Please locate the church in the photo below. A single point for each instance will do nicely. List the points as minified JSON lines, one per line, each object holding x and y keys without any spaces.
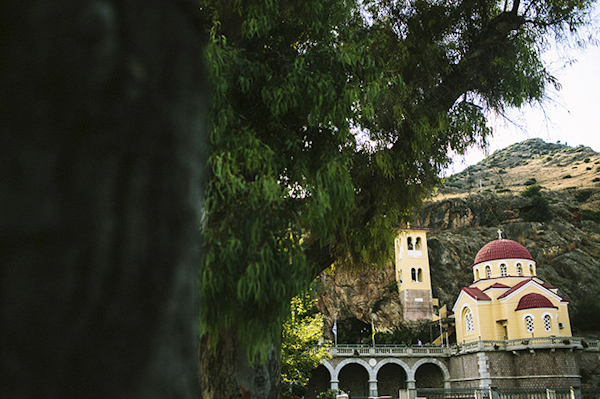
{"x":507,"y":300}
{"x":512,"y":332}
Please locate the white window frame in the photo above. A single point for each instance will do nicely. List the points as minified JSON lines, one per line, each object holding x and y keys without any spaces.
{"x":503,"y":270}
{"x":547,"y":317}
{"x":527,"y":318}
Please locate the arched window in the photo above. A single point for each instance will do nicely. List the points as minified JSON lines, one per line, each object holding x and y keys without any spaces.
{"x":476,"y":274}
{"x":547,"y":323}
{"x":409,"y":242}
{"x":468,"y":320}
{"x":503,"y":270}
{"x":519,"y":269}
{"x":488,"y":271}
{"x":413,"y":274}
{"x":531,"y":271}
{"x":418,"y":244}
{"x":420,"y":275}
{"x":400,"y":276}
{"x":529,"y":323}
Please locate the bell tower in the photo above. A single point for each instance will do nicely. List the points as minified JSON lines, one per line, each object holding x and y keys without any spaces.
{"x":413,"y":274}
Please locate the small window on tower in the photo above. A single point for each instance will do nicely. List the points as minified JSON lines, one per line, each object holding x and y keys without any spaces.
{"x":418,"y":244}
{"x":409,"y":242}
{"x":413,"y":274}
{"x":420,"y":275}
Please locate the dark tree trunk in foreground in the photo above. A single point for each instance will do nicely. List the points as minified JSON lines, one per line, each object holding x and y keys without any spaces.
{"x":226,"y":373}
{"x":102,"y":130}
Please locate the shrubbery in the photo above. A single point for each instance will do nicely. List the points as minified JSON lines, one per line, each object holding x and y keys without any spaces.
{"x":538,"y":209}
{"x":532,"y":191}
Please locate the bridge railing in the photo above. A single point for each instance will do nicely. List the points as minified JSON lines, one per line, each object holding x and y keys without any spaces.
{"x":528,"y":343}
{"x":475,"y":346}
{"x":389,"y":350}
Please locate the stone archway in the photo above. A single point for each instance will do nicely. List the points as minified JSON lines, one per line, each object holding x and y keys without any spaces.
{"x":320,"y":380}
{"x":430,"y":373}
{"x":353,"y":377}
{"x":392,"y":376}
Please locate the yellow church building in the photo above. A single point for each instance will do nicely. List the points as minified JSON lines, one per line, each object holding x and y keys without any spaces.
{"x":507,"y":300}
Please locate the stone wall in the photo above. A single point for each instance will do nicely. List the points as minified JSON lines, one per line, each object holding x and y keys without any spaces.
{"x":535,"y":369}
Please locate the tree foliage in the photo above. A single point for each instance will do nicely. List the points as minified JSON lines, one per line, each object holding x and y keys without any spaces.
{"x":301,"y":351}
{"x":331,"y":120}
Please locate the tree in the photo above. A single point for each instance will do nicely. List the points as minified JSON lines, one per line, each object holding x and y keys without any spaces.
{"x":102,"y":112}
{"x":330,"y":122}
{"x":301,"y":349}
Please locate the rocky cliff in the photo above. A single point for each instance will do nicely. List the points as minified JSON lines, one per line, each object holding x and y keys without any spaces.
{"x":557,"y":222}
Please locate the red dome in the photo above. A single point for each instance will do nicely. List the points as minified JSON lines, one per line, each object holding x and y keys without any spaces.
{"x":533,"y":300}
{"x":502,"y":249}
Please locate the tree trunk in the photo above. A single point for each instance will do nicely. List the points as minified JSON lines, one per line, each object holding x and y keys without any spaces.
{"x":102,"y":131}
{"x":226,"y":373}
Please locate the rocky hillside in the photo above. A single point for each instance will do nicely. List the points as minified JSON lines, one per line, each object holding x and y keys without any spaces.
{"x":545,"y":196}
{"x":556,"y":167}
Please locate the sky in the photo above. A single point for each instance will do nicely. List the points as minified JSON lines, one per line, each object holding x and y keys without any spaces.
{"x":570,"y":115}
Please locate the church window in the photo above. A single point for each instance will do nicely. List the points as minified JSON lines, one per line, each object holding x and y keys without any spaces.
{"x":418,"y":244}
{"x":503,"y":270}
{"x":413,"y":274}
{"x":529,"y":323}
{"x":476,"y":274}
{"x":409,"y":242}
{"x":519,"y":269}
{"x":400,"y":276}
{"x":488,"y":272}
{"x":547,"y":323}
{"x":420,"y":275}
{"x":468,"y":318}
{"x":531,"y":272}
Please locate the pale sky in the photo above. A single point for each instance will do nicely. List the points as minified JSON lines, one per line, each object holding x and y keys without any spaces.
{"x":571,"y":115}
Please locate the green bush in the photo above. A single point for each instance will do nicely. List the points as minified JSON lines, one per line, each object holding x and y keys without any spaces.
{"x":328,"y":394}
{"x":538,"y":210}
{"x":587,"y":214}
{"x":583,"y":195}
{"x":532,"y":191}
{"x":530,"y":182}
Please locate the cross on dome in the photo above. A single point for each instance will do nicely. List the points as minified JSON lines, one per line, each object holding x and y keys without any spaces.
{"x":499,"y":234}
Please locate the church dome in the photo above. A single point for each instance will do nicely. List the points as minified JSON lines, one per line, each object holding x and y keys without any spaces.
{"x":502,"y":249}
{"x":533,"y":300}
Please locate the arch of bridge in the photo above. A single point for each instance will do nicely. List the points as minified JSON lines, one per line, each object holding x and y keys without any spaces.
{"x":420,"y":362}
{"x":373,"y":370}
{"x":331,"y":370}
{"x":389,"y":360}
{"x":335,"y":375}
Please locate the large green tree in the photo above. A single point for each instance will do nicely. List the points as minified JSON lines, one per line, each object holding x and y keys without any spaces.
{"x":330,"y":121}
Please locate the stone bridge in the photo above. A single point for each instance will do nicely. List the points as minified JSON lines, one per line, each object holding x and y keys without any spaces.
{"x":399,"y":370}
{"x":383,"y":370}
